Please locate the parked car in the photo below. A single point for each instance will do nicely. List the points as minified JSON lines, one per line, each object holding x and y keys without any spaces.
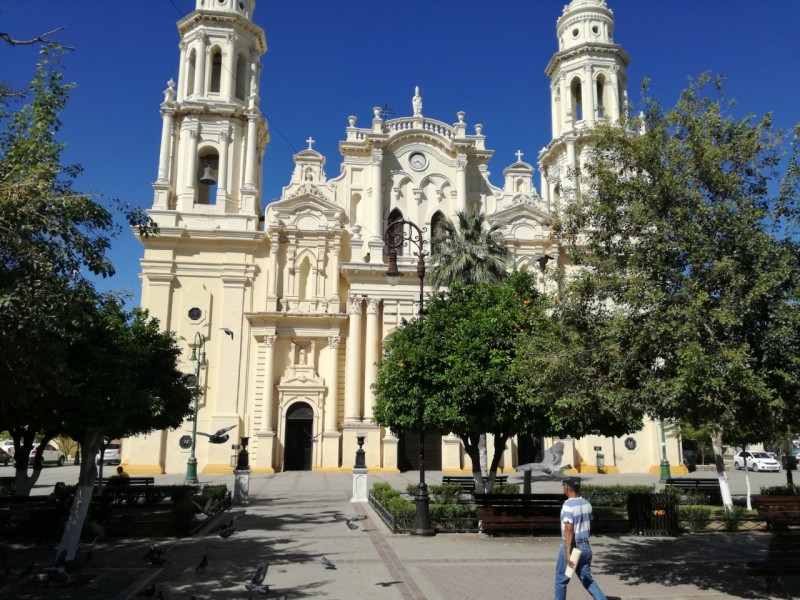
{"x":8,"y":446}
{"x":112,"y":454}
{"x":756,"y":461}
{"x":5,"y":457}
{"x":51,"y":455}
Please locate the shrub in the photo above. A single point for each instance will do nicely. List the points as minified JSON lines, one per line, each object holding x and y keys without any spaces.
{"x":697,"y":517}
{"x":505,"y":488}
{"x":732,"y":518}
{"x":613,"y":495}
{"x":383,"y":492}
{"x":399,"y":507}
{"x":781,"y":490}
{"x":451,"y":511}
{"x":445,"y":494}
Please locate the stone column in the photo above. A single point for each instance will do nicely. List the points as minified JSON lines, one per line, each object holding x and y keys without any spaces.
{"x":331,"y":435}
{"x":588,"y":91}
{"x":251,"y":159}
{"x":228,"y":75}
{"x":461,"y":182}
{"x":266,"y":434}
{"x":353,"y":377}
{"x":566,"y":106}
{"x":333,"y":293}
{"x":614,"y":95}
{"x":166,"y":136}
{"x":222,"y":175}
{"x":200,"y":66}
{"x":182,"y":83}
{"x":272,"y":291}
{"x":371,"y":356}
{"x":376,"y":222}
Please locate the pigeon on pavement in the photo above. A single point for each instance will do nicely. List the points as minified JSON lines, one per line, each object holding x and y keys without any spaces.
{"x":350,"y":524}
{"x":327,"y":563}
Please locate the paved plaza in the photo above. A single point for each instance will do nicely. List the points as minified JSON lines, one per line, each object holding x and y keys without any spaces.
{"x":295,"y":518}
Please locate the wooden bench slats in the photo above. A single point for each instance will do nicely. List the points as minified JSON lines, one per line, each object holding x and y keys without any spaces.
{"x":699,"y":484}
{"x":467,"y":483}
{"x":147,"y":481}
{"x":531,"y":512}
{"x":778,"y":511}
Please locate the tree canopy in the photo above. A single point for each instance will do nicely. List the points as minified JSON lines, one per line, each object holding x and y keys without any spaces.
{"x":474,"y":362}
{"x":688,"y":255}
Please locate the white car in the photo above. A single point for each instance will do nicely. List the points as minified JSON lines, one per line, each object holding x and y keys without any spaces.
{"x":756,"y":461}
{"x":51,"y":455}
{"x":112,"y":454}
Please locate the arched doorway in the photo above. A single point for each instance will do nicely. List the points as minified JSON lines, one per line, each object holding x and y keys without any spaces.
{"x":297,"y":449}
{"x":408,"y":451}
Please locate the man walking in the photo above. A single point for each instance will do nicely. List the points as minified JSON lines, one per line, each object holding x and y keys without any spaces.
{"x":576,"y":516}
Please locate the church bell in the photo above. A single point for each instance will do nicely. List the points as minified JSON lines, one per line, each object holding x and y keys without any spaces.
{"x":208,"y":178}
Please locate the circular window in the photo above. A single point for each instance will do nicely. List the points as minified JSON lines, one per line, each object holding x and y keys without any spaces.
{"x":185,"y":442}
{"x":595,"y":29}
{"x":195,"y":313}
{"x":630,"y":443}
{"x":241,"y":5}
{"x":191,"y":380}
{"x":575,"y":32}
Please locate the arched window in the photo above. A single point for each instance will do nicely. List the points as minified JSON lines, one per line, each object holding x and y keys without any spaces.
{"x":396,"y":215}
{"x":577,"y":99}
{"x":601,"y":89}
{"x":208,"y":164}
{"x":216,"y":70}
{"x":190,"y":83}
{"x":241,"y":82}
{"x":436,"y":229}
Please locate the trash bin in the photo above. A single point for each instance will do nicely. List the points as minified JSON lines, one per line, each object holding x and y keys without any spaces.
{"x":653,"y":514}
{"x":601,"y":462}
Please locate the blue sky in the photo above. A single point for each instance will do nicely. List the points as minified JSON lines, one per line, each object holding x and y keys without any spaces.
{"x":328,"y":59}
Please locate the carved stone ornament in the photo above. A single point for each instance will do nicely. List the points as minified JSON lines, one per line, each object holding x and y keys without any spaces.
{"x":355,"y":305}
{"x":307,"y":189}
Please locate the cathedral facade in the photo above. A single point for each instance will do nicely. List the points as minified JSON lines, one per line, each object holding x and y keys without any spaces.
{"x":285,"y":307}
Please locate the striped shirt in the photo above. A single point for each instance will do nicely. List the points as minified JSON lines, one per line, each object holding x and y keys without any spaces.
{"x":577,"y":511}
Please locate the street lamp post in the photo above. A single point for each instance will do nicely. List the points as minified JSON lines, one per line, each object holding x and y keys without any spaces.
{"x":664,"y":462}
{"x":395,"y":238}
{"x":198,"y":356}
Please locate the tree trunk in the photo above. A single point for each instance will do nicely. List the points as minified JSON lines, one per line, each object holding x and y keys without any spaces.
{"x":82,"y":501}
{"x":722,"y":476}
{"x":499,"y":448}
{"x":484,"y":455}
{"x":472,"y":448}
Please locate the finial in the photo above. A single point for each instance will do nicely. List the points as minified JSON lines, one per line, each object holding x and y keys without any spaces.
{"x":377,"y":112}
{"x":461,"y":115}
{"x":310,"y":141}
{"x":351,"y":121}
{"x":519,"y":155}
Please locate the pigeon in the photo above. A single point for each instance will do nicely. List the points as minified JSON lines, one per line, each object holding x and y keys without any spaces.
{"x":260,"y":574}
{"x":203,"y":512}
{"x":219,"y":437}
{"x":350,"y":524}
{"x":203,"y":564}
{"x":327,"y":563}
{"x":227,"y":531}
{"x":147,"y":593}
{"x":257,"y":589}
{"x":229,"y":524}
{"x":227,"y":331}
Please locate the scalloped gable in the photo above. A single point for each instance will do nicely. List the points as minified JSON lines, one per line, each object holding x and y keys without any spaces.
{"x":521,"y":219}
{"x":306,"y":209}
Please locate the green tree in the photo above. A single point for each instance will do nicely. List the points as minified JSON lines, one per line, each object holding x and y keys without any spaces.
{"x":51,"y":238}
{"x":124,"y":381}
{"x":451,"y":370}
{"x":690,"y":265}
{"x":472,"y":252}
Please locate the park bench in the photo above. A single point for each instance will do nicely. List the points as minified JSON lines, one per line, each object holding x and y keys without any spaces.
{"x":467,"y":482}
{"x":29,"y":518}
{"x":146,"y":481}
{"x":780,"y":512}
{"x":783,"y":558}
{"x":705,"y":485}
{"x":537,"y":513}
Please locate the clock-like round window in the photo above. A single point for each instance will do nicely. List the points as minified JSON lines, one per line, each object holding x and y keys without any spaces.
{"x":191,"y":380}
{"x":417,"y":161}
{"x":195,"y":313}
{"x":185,"y":442}
{"x":630,"y":443}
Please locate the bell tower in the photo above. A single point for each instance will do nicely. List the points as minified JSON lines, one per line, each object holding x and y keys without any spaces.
{"x":588,"y":85}
{"x":213,"y":135}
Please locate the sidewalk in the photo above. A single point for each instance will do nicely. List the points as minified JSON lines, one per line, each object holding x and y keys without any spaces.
{"x":295,"y":518}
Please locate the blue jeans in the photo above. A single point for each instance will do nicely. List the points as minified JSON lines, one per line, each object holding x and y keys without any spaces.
{"x":583,"y":571}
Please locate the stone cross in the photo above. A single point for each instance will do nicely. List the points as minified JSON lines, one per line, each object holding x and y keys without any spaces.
{"x":519,"y":155}
{"x":310,"y":141}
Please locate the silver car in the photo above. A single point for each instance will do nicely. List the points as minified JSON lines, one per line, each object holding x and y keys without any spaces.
{"x":755,"y":461}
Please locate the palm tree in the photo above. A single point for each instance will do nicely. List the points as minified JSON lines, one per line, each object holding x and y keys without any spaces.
{"x":472,"y":252}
